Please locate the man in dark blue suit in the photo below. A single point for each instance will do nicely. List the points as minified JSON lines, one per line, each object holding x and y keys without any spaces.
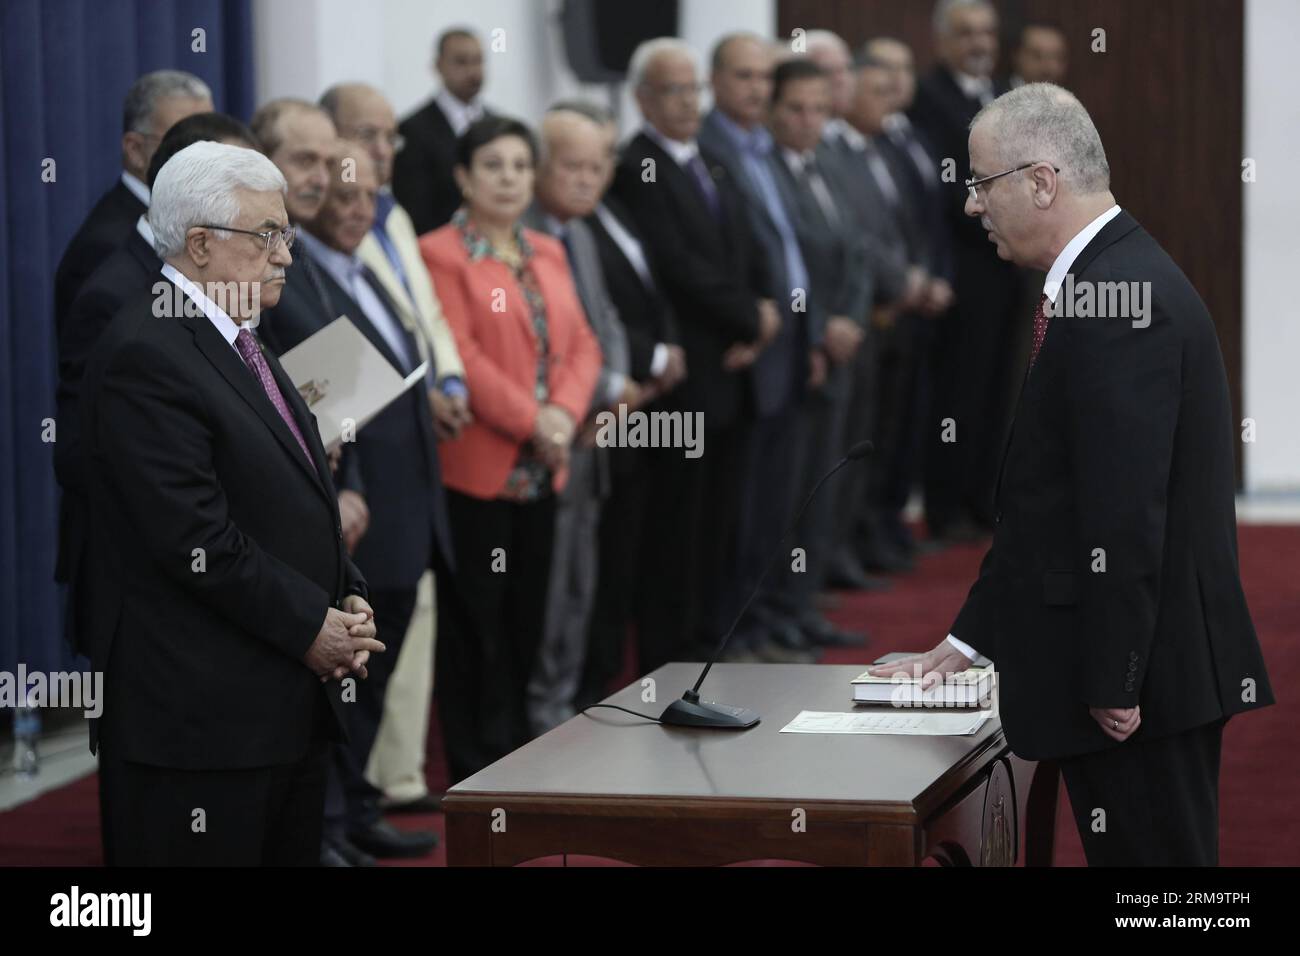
{"x":392,"y":467}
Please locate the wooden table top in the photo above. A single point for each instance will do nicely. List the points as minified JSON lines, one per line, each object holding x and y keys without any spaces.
{"x":609,"y":754}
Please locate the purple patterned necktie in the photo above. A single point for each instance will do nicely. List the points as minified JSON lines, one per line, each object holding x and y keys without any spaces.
{"x":704,"y":181}
{"x":253,"y":358}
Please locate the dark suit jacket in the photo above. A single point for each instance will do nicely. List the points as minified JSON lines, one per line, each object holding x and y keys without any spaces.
{"x":646,"y":315}
{"x":1123,"y":441}
{"x":107,"y":226}
{"x":393,"y":463}
{"x":422,"y":178}
{"x":942,"y":113}
{"x":706,"y":267}
{"x":215,"y":551}
{"x":916,"y":168}
{"x":128,"y":272}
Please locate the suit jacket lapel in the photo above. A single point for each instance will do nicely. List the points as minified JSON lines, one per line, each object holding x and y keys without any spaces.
{"x":227,"y":361}
{"x":1112,"y":232}
{"x":345,"y":304}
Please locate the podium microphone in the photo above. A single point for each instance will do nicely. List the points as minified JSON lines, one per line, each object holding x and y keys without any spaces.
{"x":690,"y":711}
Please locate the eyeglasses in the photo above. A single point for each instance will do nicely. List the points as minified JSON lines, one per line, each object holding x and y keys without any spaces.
{"x":973,"y":185}
{"x":369,"y":135}
{"x":676,"y":90}
{"x":268,"y":238}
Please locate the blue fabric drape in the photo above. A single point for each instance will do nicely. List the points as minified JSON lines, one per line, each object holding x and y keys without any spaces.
{"x":65,"y":67}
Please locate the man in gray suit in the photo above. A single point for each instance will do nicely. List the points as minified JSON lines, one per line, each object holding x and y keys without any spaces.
{"x":570,"y":177}
{"x":841,"y":289}
{"x":875,"y":200}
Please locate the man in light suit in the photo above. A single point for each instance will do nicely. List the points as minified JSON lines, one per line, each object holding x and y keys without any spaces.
{"x":391,"y":251}
{"x":226,"y":608}
{"x":1111,"y":599}
{"x":569,"y":180}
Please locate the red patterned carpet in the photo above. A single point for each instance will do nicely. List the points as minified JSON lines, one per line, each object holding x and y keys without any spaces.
{"x":1259,"y":780}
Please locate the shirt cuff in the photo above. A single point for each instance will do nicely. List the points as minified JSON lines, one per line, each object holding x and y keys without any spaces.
{"x":659,"y":360}
{"x":453,"y":386}
{"x":964,"y":648}
{"x":614,"y":388}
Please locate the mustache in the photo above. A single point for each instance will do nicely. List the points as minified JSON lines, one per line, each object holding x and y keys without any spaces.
{"x":275,"y":274}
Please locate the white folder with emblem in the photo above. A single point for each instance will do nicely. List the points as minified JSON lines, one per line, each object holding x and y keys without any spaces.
{"x":344,"y":379}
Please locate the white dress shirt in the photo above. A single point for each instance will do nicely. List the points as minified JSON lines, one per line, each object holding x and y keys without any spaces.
{"x":635,"y":255}
{"x":223,"y":323}
{"x":459,"y":114}
{"x":138,"y":189}
{"x":1061,"y":267}
{"x":682,"y":153}
{"x":1055,"y":276}
{"x":975,"y":87}
{"x":146,"y":231}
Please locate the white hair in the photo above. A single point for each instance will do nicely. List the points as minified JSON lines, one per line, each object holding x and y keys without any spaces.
{"x":944,"y":8}
{"x":826,"y":38}
{"x":197,"y":187}
{"x":1044,"y":122}
{"x":648,"y":51}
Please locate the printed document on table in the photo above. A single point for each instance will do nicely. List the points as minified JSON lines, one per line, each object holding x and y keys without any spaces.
{"x":916,"y":722}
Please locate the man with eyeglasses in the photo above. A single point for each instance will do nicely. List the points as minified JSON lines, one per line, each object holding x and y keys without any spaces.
{"x":127,"y":272}
{"x":391,"y":251}
{"x":1110,"y":600}
{"x":694,"y":222}
{"x":226,"y":610}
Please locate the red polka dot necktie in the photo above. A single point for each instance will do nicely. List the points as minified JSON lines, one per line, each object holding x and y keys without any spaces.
{"x":1040,"y":328}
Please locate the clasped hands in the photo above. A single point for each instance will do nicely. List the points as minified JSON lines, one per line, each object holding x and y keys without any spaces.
{"x":742,"y":354}
{"x":345,"y":641}
{"x":552,"y":436}
{"x":1117,"y":723}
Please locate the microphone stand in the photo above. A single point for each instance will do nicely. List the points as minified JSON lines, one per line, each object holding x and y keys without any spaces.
{"x":690,"y":711}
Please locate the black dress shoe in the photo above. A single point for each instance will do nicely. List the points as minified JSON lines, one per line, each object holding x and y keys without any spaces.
{"x":387,"y":842}
{"x":330,"y":856}
{"x":352,"y":855}
{"x":786,"y":633}
{"x":882,"y":557}
{"x":425,"y":804}
{"x":845,"y":573}
{"x":822,"y":633}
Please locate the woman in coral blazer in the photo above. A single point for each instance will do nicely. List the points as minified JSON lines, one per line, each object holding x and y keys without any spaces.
{"x":531,"y":363}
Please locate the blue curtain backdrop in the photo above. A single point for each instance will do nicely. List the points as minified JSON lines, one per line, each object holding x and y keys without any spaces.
{"x":65,"y":67}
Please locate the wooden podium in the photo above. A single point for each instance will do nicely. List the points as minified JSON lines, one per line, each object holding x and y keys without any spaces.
{"x":607,"y":784}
